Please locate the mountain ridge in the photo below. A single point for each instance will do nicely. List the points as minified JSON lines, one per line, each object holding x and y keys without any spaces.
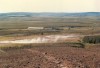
{"x":47,"y":14}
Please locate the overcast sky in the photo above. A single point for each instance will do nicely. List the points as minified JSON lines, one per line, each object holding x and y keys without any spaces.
{"x":49,"y":6}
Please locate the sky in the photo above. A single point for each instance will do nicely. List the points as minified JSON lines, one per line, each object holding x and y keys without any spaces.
{"x":49,"y":6}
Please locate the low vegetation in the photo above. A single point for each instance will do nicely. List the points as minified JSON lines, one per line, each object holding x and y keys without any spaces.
{"x":92,"y":39}
{"x":22,"y":46}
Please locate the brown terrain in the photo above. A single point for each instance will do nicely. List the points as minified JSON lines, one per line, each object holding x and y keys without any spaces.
{"x":63,"y":37}
{"x":51,"y":56}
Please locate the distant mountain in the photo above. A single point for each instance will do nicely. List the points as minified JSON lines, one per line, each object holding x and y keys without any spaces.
{"x":30,"y":14}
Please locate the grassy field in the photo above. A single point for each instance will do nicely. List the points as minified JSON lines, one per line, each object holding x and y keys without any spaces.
{"x":18,"y":25}
{"x":25,"y":22}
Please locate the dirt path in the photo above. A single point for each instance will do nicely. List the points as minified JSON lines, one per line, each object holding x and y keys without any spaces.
{"x":51,"y":58}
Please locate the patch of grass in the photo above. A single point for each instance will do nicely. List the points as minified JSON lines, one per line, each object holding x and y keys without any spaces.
{"x":87,"y":45}
{"x":3,"y":38}
{"x":76,"y":44}
{"x":22,"y":46}
{"x":15,"y":46}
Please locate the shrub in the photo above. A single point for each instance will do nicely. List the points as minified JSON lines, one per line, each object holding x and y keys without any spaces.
{"x":91,"y":39}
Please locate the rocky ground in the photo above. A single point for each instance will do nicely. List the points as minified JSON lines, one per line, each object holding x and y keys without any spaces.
{"x":62,"y":56}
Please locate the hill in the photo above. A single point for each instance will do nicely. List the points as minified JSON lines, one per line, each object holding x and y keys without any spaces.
{"x":30,"y":14}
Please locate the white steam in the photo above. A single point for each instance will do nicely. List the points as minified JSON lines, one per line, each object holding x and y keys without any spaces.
{"x":43,"y":39}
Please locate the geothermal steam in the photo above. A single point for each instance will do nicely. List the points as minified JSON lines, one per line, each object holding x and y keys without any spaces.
{"x":43,"y":39}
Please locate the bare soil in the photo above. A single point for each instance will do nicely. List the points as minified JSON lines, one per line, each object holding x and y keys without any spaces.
{"x":51,"y":56}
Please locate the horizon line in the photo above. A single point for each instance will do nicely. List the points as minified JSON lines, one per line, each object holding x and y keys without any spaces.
{"x":49,"y":12}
